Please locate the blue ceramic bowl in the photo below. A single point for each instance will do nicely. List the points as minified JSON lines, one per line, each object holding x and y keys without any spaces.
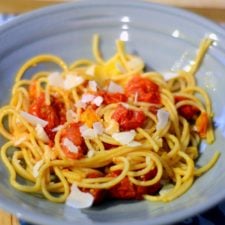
{"x":160,"y":35}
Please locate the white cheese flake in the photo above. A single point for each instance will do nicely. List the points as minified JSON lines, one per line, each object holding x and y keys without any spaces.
{"x":58,"y":128}
{"x":90,"y":153}
{"x":134,"y":144}
{"x":78,"y":199}
{"x":135,"y":63}
{"x":80,"y":104}
{"x":125,"y":137}
{"x":165,"y":189}
{"x":111,"y":127}
{"x":162,"y":117}
{"x":34,"y":120}
{"x":70,"y":115}
{"x":72,"y":81}
{"x":37,"y":167}
{"x":92,"y":85}
{"x":20,"y":140}
{"x":115,"y":88}
{"x":55,"y":79}
{"x":169,"y":75}
{"x":91,"y":70}
{"x":70,"y":145}
{"x":87,"y":132}
{"x":86,"y":98}
{"x":98,"y":100}
{"x":41,"y":134}
{"x":98,"y":128}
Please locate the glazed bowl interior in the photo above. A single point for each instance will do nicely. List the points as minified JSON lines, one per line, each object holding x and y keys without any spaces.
{"x":161,"y":36}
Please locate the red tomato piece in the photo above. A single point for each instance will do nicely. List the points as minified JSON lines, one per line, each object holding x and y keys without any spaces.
{"x":98,"y":194}
{"x":112,"y":97}
{"x":189,"y":112}
{"x":127,"y":190}
{"x":145,"y":89}
{"x":202,"y":124}
{"x":54,"y":113}
{"x":128,"y":119}
{"x":72,"y":132}
{"x":32,"y":90}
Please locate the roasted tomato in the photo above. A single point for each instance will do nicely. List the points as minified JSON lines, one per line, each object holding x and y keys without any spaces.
{"x":202,"y":124}
{"x":112,"y":97}
{"x":189,"y":112}
{"x":98,"y":194}
{"x":53,"y":113}
{"x":128,"y":119}
{"x":145,"y":89}
{"x":127,"y":190}
{"x":72,"y":132}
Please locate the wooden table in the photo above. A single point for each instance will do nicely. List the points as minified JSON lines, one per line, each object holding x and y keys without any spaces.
{"x":212,"y":9}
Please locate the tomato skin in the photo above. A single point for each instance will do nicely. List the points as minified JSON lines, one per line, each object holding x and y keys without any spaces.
{"x":98,"y":194}
{"x":202,"y":124}
{"x":112,"y":97}
{"x":146,"y":90}
{"x":189,"y":112}
{"x":53,"y":113}
{"x":128,"y":119}
{"x":72,"y":132}
{"x":128,"y":191}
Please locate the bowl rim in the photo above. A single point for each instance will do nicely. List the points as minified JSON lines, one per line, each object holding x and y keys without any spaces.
{"x":39,"y":218}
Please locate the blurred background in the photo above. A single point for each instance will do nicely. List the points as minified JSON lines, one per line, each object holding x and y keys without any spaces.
{"x":212,"y":9}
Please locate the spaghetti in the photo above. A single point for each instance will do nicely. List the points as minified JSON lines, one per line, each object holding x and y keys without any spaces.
{"x":106,"y":128}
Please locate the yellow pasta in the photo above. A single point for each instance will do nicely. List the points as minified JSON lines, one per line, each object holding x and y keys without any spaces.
{"x":107,"y":127}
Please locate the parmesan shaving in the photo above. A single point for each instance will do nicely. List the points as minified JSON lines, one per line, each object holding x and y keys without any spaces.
{"x":90,"y":153}
{"x":135,"y":63}
{"x":125,"y":137}
{"x":34,"y":120}
{"x":86,"y":98}
{"x":37,"y":167}
{"x":19,"y":140}
{"x":70,"y":115}
{"x":98,"y":128}
{"x":87,"y":132}
{"x":70,"y":146}
{"x":134,"y":144}
{"x":115,"y":88}
{"x":72,"y":81}
{"x":166,"y":188}
{"x":58,"y":128}
{"x":163,"y":117}
{"x":91,"y":70}
{"x":78,"y":199}
{"x":41,"y":134}
{"x":55,"y":79}
{"x":92,"y":85}
{"x":98,"y":100}
{"x":169,"y":75}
